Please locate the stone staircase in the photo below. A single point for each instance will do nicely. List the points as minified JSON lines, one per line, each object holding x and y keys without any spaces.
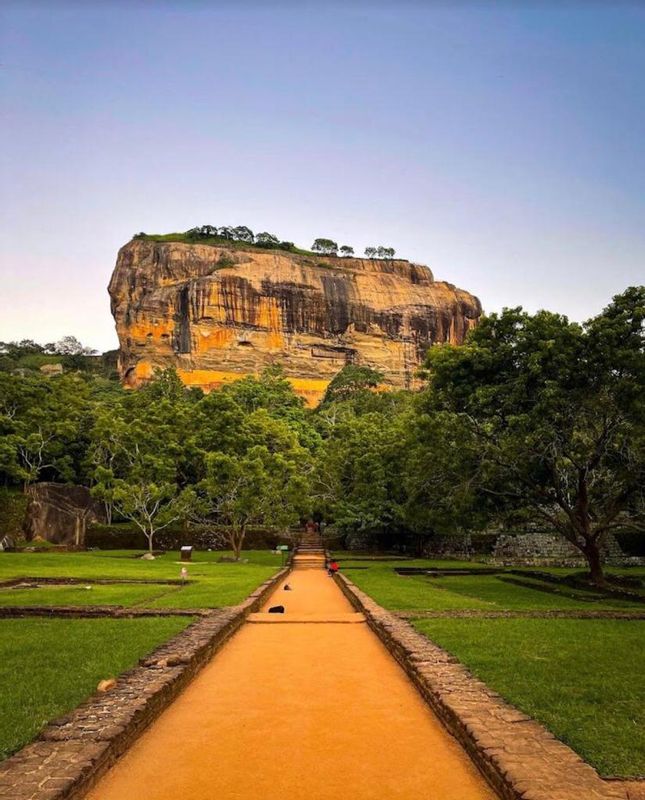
{"x":310,"y":553}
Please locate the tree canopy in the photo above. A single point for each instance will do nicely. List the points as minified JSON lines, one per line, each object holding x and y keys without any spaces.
{"x":557,"y":412}
{"x":534,"y":419}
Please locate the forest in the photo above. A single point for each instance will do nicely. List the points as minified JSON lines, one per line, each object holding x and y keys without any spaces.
{"x":534,"y":420}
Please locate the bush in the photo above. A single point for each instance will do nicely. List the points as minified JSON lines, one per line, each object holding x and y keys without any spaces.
{"x":13,"y":504}
{"x":124,"y":536}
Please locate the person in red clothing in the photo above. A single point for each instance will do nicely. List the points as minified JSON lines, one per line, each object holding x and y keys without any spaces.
{"x":333,"y":568}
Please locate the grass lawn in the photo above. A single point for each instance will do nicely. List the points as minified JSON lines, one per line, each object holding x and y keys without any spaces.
{"x":485,"y":592}
{"x":85,"y":594}
{"x":48,"y":666}
{"x":583,"y":679}
{"x":212,"y":583}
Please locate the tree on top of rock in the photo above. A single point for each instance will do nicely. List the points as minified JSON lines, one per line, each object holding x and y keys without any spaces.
{"x":346,"y":251}
{"x":325,"y":246}
{"x":385,"y":252}
{"x":243,"y":234}
{"x":370,"y":252}
{"x":265,"y":239}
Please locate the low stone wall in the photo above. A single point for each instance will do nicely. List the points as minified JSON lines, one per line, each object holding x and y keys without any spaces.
{"x":535,"y":548}
{"x":518,"y":756}
{"x":73,"y":752}
{"x":91,"y":612}
{"x":547,"y":548}
{"x":457,"y":546}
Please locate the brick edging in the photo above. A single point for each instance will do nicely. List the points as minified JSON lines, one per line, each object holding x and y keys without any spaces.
{"x":519,"y":757}
{"x":74,"y":751}
{"x":478,"y":613}
{"x":95,"y":612}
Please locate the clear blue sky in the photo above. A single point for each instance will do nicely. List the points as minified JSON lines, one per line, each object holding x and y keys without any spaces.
{"x":501,"y":144}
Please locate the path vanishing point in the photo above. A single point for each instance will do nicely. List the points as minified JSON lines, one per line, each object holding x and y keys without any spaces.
{"x":305,"y":705}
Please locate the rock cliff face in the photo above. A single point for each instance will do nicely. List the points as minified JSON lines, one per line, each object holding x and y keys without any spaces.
{"x":217,"y":314}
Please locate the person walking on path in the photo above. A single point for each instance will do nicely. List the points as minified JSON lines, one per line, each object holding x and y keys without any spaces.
{"x":333,"y":568}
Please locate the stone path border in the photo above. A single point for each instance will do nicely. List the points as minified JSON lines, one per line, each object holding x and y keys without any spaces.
{"x":117,"y":612}
{"x":519,"y":757}
{"x":10,"y":583}
{"x":473,"y":613}
{"x":72,"y":752}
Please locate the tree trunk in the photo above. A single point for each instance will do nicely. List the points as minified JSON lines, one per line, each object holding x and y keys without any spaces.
{"x":150,"y":537}
{"x":592,"y":554}
{"x":238,"y":541}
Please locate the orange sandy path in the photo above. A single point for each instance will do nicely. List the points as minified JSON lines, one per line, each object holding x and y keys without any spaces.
{"x":297,"y":712}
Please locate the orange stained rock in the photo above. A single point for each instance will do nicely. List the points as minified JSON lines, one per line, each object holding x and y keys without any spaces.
{"x":311,"y":314}
{"x":299,"y":711}
{"x":217,"y":338}
{"x":141,"y":331}
{"x":144,"y":370}
{"x":310,"y":389}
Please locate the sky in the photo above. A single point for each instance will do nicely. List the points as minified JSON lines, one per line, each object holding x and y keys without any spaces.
{"x":502,"y":144}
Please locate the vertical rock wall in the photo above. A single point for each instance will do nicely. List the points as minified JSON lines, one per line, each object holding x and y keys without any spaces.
{"x":218,"y":313}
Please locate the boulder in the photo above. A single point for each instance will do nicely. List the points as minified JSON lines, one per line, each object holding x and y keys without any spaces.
{"x":59,"y":513}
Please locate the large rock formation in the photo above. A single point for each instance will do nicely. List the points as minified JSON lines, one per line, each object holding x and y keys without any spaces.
{"x":60,"y":513}
{"x":218,"y":313}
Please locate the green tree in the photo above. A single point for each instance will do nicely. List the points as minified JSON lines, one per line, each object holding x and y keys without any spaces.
{"x":260,"y":488}
{"x":346,"y":251}
{"x":150,"y":505}
{"x":370,"y":252}
{"x":272,"y":392}
{"x":206,"y":231}
{"x":441,"y":457}
{"x":141,"y":452}
{"x":358,"y":477}
{"x":243,"y":234}
{"x":71,"y":346}
{"x":265,"y":239}
{"x":42,"y":423}
{"x":325,"y":246}
{"x":558,"y":415}
{"x":350,"y":380}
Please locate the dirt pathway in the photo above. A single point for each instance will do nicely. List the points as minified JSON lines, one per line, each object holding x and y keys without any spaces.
{"x":300,"y":710}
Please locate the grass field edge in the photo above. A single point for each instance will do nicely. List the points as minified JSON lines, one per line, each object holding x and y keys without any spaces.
{"x":518,"y":756}
{"x":72,"y":753}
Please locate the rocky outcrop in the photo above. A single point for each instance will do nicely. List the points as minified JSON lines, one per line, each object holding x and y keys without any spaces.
{"x":218,"y":313}
{"x":60,"y":513}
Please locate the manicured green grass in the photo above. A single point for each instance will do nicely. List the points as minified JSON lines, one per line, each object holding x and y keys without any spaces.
{"x":492,"y":592}
{"x":211,"y":582}
{"x":48,"y":666}
{"x":86,"y":594}
{"x":583,"y":679}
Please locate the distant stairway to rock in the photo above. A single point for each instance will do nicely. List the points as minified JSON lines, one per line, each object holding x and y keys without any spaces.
{"x":310,"y":553}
